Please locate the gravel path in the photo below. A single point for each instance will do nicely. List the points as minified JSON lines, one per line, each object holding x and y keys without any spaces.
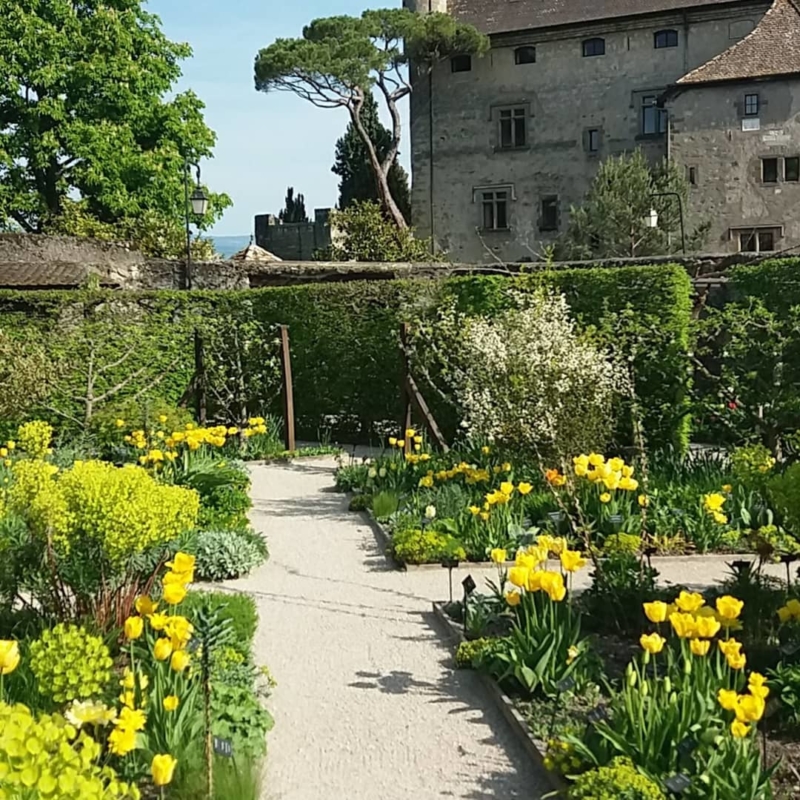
{"x":368,"y":706}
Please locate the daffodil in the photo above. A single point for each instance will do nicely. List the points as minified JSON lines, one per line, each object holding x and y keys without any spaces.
{"x":121,"y":741}
{"x":652,"y":643}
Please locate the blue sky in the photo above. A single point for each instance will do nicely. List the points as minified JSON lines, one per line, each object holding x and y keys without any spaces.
{"x":266,"y":142}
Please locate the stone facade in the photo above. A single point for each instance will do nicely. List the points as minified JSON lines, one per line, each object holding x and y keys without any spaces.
{"x":528,"y":134}
{"x":294,"y":241}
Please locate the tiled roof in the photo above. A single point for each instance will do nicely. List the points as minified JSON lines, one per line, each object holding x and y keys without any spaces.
{"x":50,"y":275}
{"x":504,"y":16}
{"x":771,"y":48}
{"x":253,"y":254}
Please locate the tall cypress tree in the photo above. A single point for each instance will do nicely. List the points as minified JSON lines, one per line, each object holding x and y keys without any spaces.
{"x":352,"y":163}
{"x":295,"y":208}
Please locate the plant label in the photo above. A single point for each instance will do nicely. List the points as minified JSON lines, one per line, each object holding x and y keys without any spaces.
{"x":223,"y":747}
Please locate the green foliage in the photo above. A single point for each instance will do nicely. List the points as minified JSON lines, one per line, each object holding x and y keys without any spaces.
{"x":352,"y":165}
{"x":360,"y":502}
{"x":70,"y":664}
{"x":35,"y":437}
{"x":224,"y":555}
{"x":365,"y":234}
{"x":620,"y":780}
{"x":784,"y":490}
{"x":89,"y":108}
{"x":470,"y":652}
{"x":384,"y":504}
{"x":613,"y":219}
{"x":240,"y":609}
{"x":425,"y":547}
{"x":294,"y":209}
{"x":237,"y":715}
{"x":24,"y":373}
{"x":45,"y":754}
{"x":339,"y":59}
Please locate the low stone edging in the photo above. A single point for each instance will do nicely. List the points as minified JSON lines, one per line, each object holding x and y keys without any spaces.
{"x":515,"y":721}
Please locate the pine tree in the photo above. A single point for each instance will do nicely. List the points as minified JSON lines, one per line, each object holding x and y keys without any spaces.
{"x":353,"y":167}
{"x":294,"y":209}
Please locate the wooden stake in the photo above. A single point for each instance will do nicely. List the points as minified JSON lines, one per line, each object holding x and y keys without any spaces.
{"x":406,"y":421}
{"x":288,"y":390}
{"x":200,"y":377}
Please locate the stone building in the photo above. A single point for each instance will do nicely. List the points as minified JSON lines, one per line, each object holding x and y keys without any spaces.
{"x":294,"y":241}
{"x":503,"y":145}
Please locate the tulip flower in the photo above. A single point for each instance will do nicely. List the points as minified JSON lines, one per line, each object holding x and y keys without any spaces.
{"x":652,"y":643}
{"x":729,"y":608}
{"x":180,"y":660}
{"x":162,"y":769}
{"x":134,"y":626}
{"x":700,"y":647}
{"x":572,"y":560}
{"x":656,"y":611}
{"x":499,"y":555}
{"x":171,"y":702}
{"x":739,"y":729}
{"x":513,"y":598}
{"x":174,"y":593}
{"x":9,"y":657}
{"x":162,"y":649}
{"x":689,"y":601}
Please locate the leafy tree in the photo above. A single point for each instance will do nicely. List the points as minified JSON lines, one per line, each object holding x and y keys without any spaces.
{"x":353,"y":167}
{"x":362,"y":233}
{"x":87,"y":113}
{"x":613,"y":220}
{"x":339,"y":60}
{"x":295,"y":208}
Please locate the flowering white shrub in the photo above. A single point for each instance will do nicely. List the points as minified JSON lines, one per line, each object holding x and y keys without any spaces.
{"x":527,"y":379}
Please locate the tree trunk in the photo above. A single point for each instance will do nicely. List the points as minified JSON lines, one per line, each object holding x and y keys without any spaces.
{"x":380,"y":171}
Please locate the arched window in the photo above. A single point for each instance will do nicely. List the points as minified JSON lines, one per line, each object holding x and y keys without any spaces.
{"x":665,"y":39}
{"x":594,"y":47}
{"x":525,"y":55}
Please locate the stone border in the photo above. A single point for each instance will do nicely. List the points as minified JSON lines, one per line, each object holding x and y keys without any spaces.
{"x":385,"y":539}
{"x":514,"y":719}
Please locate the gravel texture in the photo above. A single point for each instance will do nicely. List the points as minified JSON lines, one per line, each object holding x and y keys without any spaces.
{"x":368,"y":705}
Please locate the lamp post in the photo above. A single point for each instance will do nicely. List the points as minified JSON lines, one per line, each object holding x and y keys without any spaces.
{"x":197,"y":204}
{"x":651,"y":220}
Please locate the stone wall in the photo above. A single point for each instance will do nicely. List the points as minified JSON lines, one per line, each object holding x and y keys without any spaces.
{"x":294,"y":241}
{"x":455,"y":148}
{"x":729,"y":190}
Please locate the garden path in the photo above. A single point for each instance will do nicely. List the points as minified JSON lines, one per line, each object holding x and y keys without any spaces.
{"x":368,"y":706}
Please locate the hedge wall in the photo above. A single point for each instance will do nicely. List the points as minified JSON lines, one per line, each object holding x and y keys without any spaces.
{"x":344,"y":336}
{"x":775,"y":282}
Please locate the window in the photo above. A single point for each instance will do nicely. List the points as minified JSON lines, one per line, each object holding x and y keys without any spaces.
{"x":593,"y":140}
{"x":691,"y":175}
{"x":665,"y":39}
{"x":495,"y":210}
{"x":769,"y":170}
{"x":461,"y":63}
{"x":549,"y":218}
{"x":791,"y":168}
{"x":751,"y":105}
{"x":654,"y":119}
{"x":757,"y":240}
{"x":513,"y":127}
{"x":594,"y":47}
{"x":525,"y":55}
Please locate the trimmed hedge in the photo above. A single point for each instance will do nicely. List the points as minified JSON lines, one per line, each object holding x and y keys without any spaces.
{"x":775,"y":282}
{"x":344,"y":336}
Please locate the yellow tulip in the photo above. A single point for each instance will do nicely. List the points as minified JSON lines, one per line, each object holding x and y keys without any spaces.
{"x":121,"y":741}
{"x":485,"y":516}
{"x":652,"y":643}
{"x":524,"y":488}
{"x":498,"y":555}
{"x":605,"y":497}
{"x":9,"y":657}
{"x":749,"y":708}
{"x":656,"y":611}
{"x":628,"y":484}
{"x":392,"y":441}
{"x":572,"y":560}
{"x":171,"y":702}
{"x":174,"y":593}
{"x":689,"y":601}
{"x":180,"y":660}
{"x":162,"y":649}
{"x":518,"y":576}
{"x":757,"y":685}
{"x":513,"y":598}
{"x":474,"y":510}
{"x":684,"y":625}
{"x":182,"y":562}
{"x":162,"y":769}
{"x":401,"y":444}
{"x":727,"y":488}
{"x":736,"y":662}
{"x":553,"y":584}
{"x":595,"y":459}
{"x":706,"y":627}
{"x":730,"y":647}
{"x":485,"y":450}
{"x":145,"y":606}
{"x":507,"y":488}
{"x":729,"y":608}
{"x":643,"y":501}
{"x":133,"y":628}
{"x":728,"y":699}
{"x":699,"y":647}
{"x":739,"y":729}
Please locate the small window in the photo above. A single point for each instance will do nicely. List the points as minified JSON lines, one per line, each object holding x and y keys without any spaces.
{"x":549,"y":219}
{"x":665,"y":39}
{"x":691,"y":175}
{"x":594,"y":47}
{"x":791,"y":169}
{"x":513,"y":127}
{"x":593,"y":140}
{"x":751,"y":105}
{"x":769,"y":170}
{"x":461,"y":63}
{"x":758,"y":240}
{"x":525,"y":55}
{"x":495,"y":211}
{"x":654,"y":119}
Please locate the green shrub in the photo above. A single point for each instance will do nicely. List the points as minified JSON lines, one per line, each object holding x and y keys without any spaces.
{"x":225,"y":506}
{"x":240,"y":609}
{"x":470,"y":652}
{"x":223,"y":555}
{"x":384,"y":504}
{"x":157,"y":415}
{"x":620,"y":780}
{"x":359,"y":502}
{"x":237,"y":715}
{"x":414,"y":546}
{"x":784,"y":490}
